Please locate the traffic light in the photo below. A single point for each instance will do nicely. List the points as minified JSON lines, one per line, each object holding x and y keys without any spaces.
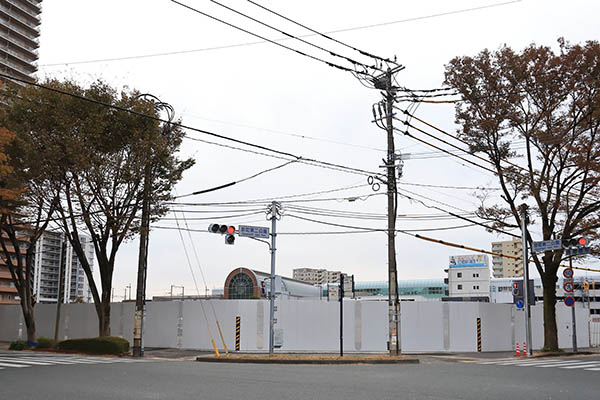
{"x":574,"y":242}
{"x":226,"y":230}
{"x":586,"y":285}
{"x":519,"y":295}
{"x":517,"y":291}
{"x":262,"y":288}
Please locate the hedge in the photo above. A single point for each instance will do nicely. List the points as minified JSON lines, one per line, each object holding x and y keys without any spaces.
{"x":46,"y":343}
{"x":18,"y":345}
{"x":98,"y":345}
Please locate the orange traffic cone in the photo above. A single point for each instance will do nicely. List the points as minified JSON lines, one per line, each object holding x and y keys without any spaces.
{"x":518,"y":352}
{"x":524,"y":349}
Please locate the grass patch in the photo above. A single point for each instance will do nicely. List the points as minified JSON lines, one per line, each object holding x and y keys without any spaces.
{"x":98,"y":345}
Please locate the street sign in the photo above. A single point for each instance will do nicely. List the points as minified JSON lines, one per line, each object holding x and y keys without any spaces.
{"x":568,"y":286}
{"x":569,"y":301}
{"x":578,"y":251}
{"x":547,"y":245}
{"x":568,"y":273}
{"x":254,"y":231}
{"x":519,"y":303}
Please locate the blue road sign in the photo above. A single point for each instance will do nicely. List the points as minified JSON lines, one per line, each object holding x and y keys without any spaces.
{"x":568,"y":273}
{"x":254,"y":231}
{"x":519,"y":303}
{"x":547,"y":245}
{"x":569,"y":301}
{"x":578,"y":251}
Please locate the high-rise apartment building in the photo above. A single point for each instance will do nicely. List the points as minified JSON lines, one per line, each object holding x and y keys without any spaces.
{"x":504,"y":267}
{"x":19,"y":33}
{"x":316,"y":276}
{"x":57,"y":268}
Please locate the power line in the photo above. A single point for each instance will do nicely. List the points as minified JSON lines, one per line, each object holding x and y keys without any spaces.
{"x":321,"y":34}
{"x":300,"y":159}
{"x":292,"y":36}
{"x":170,"y":53}
{"x":263,"y":38}
{"x":236,"y":182}
{"x":297,"y":135}
{"x":268,"y":199}
{"x":377,"y":229}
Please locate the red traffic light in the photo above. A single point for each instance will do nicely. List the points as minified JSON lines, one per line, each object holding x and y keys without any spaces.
{"x":515,"y":285}
{"x":582,"y":241}
{"x":231,"y":230}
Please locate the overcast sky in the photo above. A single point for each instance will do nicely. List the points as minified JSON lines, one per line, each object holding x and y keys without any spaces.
{"x":221,"y":82}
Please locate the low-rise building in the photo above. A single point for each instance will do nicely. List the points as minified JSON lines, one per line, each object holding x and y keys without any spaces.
{"x":469,"y":277}
{"x":316,"y":276}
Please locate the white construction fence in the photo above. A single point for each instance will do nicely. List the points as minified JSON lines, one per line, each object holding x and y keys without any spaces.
{"x":312,"y":325}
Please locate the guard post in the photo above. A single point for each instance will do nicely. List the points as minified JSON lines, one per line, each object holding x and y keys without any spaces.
{"x":237,"y":333}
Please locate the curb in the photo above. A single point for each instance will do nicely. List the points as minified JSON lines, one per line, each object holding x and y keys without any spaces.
{"x":301,"y":361}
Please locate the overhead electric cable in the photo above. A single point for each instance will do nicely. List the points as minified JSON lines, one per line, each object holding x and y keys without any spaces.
{"x":354,"y":62}
{"x":342,"y":30}
{"x":235,"y":182}
{"x":297,"y":135}
{"x":407,"y":133}
{"x":377,"y":229}
{"x":263,"y":38}
{"x":301,"y":159}
{"x":205,"y":283}
{"x":321,"y":34}
{"x":458,"y":216}
{"x":197,"y":290}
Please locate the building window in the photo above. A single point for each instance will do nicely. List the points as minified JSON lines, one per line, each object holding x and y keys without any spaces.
{"x":459,"y":287}
{"x":459,"y":274}
{"x":475,"y":287}
{"x":476,"y":275}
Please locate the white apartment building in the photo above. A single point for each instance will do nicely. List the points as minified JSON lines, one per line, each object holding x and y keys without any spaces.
{"x":316,"y":276}
{"x":56,"y":267}
{"x":469,"y":277}
{"x":504,"y":267}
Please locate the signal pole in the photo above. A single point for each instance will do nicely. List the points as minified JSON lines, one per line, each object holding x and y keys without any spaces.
{"x":526,"y":294}
{"x":275,"y":211}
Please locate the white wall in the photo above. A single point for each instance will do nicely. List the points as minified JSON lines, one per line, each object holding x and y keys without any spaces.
{"x":308,"y":325}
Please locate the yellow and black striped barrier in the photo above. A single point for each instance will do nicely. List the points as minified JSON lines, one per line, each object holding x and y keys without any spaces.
{"x":237,"y":333}
{"x":479,"y":335}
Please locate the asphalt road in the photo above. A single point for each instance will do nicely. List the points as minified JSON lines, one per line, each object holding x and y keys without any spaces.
{"x":68,"y":377}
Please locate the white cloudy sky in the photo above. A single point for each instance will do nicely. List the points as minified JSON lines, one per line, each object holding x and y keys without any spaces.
{"x":267,"y":95}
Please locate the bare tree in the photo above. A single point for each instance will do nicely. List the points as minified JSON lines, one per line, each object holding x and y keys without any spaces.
{"x":535,"y":115}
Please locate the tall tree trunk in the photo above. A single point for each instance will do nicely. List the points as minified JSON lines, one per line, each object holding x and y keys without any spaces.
{"x":550,"y":329}
{"x":28,"y":317}
{"x":104,"y":315}
{"x":30,"y":324}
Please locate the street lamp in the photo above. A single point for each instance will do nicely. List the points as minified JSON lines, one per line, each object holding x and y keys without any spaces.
{"x":140,"y":298}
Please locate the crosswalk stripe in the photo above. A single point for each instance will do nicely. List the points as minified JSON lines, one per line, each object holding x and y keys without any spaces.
{"x":13,"y":365}
{"x":592,"y":369}
{"x":565,"y":363}
{"x":582,"y":365}
{"x":25,"y":361}
{"x":51,"y":360}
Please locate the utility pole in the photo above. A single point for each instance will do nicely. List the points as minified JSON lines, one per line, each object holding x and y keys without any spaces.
{"x":341,"y":295}
{"x":384,"y":82}
{"x":526,"y":307}
{"x":140,"y":297}
{"x":275,"y":210}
